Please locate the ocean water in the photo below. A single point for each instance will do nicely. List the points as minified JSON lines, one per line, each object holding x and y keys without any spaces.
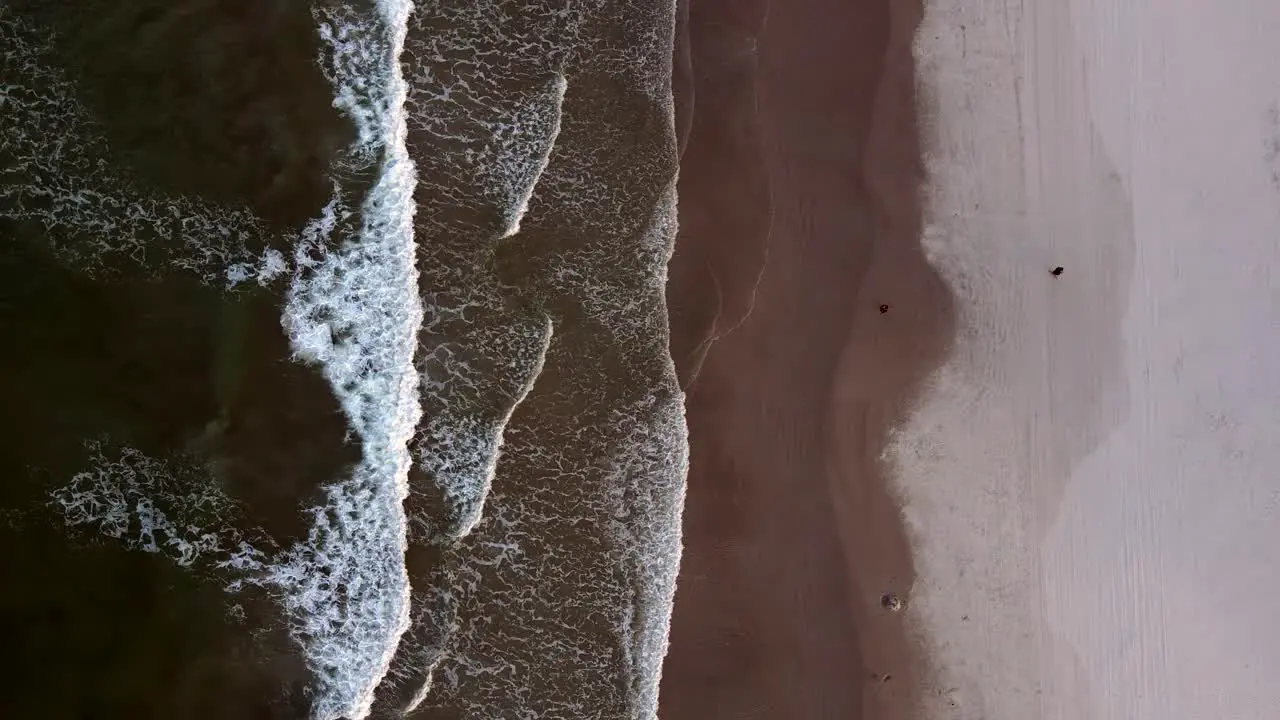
{"x":338,"y":356}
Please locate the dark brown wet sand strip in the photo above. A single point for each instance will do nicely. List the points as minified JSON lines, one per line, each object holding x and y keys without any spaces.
{"x":803,"y":318}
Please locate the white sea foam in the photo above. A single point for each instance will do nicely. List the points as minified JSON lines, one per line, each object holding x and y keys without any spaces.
{"x":524,"y":165}
{"x":570,"y":555}
{"x":486,"y":103}
{"x":352,"y":308}
{"x":560,"y":598}
{"x":155,"y":506}
{"x":355,"y":311}
{"x":648,"y":496}
{"x":467,"y":459}
{"x":61,"y":177}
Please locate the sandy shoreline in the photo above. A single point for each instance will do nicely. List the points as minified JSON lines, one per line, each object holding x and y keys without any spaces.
{"x":798,"y":221}
{"x":1068,"y":479}
{"x":1086,"y":481}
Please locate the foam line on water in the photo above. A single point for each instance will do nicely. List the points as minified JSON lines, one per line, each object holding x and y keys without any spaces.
{"x":352,"y":309}
{"x":355,"y":312}
{"x":549,"y":118}
{"x":486,"y":100}
{"x":169,"y":508}
{"x":63,"y":177}
{"x":647,"y":486}
{"x":473,"y":505}
{"x":651,"y":490}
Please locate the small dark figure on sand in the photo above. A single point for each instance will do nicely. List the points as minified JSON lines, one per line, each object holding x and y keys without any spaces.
{"x":884,"y":309}
{"x":1056,"y":271}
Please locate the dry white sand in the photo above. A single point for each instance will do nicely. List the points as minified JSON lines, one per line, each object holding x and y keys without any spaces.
{"x":1092,"y":482}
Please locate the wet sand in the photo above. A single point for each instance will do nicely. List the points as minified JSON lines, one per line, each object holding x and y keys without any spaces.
{"x":799,"y":221}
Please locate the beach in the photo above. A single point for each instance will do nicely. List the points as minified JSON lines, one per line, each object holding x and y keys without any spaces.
{"x":1085,"y":483}
{"x":1028,"y":413}
{"x":703,"y":360}
{"x":799,"y":222}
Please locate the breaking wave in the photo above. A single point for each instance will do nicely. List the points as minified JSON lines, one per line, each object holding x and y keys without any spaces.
{"x":483,"y":293}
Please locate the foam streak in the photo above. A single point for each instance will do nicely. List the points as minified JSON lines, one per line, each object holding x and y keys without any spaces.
{"x":355,"y":312}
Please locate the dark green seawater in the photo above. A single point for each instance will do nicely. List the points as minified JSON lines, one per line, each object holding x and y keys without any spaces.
{"x":222,"y":102}
{"x":201,"y":520}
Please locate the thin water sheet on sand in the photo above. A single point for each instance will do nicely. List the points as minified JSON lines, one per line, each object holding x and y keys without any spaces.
{"x":798,"y":206}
